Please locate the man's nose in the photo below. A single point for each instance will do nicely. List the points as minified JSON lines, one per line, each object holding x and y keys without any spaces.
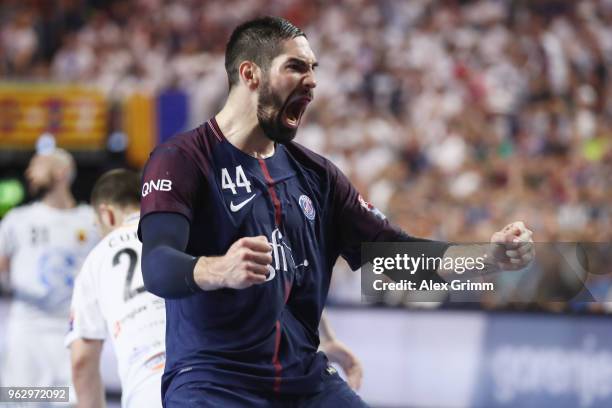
{"x":309,"y":80}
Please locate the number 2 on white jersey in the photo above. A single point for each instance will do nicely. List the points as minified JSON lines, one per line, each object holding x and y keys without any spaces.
{"x":128,"y":291}
{"x":241,"y":180}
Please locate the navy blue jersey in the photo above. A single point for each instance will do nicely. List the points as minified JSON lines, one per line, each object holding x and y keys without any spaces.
{"x":264,"y":337}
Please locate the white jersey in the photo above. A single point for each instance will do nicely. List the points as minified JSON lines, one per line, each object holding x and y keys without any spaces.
{"x":109,"y":297}
{"x":46,"y":247}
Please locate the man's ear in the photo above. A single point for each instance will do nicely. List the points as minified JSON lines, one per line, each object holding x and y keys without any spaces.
{"x":108,"y":218}
{"x":250,"y":74}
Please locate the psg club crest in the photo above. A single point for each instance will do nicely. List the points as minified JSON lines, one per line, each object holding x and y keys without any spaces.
{"x":307,"y":207}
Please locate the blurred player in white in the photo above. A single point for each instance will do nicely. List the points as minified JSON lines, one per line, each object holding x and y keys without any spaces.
{"x":42,"y":245}
{"x":110,"y":301}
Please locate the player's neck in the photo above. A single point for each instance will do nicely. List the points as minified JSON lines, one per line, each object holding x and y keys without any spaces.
{"x":238,"y":122}
{"x":130,"y":213}
{"x":59,"y":198}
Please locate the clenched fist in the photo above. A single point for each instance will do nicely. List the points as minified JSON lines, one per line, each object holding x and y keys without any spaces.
{"x":512,"y":247}
{"x":245,"y":264}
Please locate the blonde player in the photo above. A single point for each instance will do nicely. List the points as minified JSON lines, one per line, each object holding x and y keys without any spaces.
{"x":42,"y":245}
{"x":110,"y":301}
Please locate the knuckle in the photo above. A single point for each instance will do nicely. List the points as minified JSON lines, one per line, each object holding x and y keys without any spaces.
{"x":244,"y":255}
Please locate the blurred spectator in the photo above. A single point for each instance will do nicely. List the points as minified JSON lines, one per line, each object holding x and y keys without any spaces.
{"x":451,"y":116}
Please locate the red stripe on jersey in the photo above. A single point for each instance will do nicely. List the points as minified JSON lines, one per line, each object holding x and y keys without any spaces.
{"x":272,"y":192}
{"x":277,"y":365}
{"x":215,"y":128}
{"x":278,"y":368}
{"x":288,"y":286}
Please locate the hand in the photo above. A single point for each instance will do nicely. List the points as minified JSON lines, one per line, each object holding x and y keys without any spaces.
{"x":245,"y":264}
{"x":339,"y":353}
{"x":512,"y":247}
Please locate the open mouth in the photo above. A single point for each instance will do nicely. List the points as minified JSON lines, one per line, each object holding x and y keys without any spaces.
{"x":294,"y":111}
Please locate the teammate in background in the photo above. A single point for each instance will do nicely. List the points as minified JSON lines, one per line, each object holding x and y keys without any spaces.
{"x":241,"y":228}
{"x":109,"y":297}
{"x":42,"y":245}
{"x":338,"y":352}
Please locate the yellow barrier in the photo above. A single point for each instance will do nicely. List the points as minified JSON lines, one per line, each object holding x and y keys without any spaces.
{"x":140,"y":127}
{"x":75,"y":114}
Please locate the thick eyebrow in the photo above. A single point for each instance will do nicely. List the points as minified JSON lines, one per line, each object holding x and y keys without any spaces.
{"x":299,"y":61}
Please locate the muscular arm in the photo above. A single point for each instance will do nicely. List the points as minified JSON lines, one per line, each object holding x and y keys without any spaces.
{"x":4,"y":264}
{"x":511,"y":248}
{"x":170,"y":273}
{"x":85,"y":358}
{"x":326,"y":332}
{"x":357,"y":221}
{"x":339,"y":353}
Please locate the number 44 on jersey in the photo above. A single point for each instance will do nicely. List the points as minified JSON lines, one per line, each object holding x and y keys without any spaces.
{"x":241,"y":180}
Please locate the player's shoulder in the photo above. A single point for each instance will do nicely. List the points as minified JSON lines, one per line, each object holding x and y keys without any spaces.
{"x":193,"y":143}
{"x":84,"y":210}
{"x":310,"y":159}
{"x":82,"y":216}
{"x":22,"y":212}
{"x":123,"y":236}
{"x":109,"y":244}
{"x":92,"y":262}
{"x":17,"y":212}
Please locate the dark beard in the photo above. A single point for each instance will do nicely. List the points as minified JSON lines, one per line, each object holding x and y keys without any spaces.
{"x":272,"y":123}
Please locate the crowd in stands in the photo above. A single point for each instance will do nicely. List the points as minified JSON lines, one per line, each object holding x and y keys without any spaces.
{"x":453,"y":117}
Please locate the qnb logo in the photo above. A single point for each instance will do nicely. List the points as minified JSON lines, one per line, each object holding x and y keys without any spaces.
{"x":159,"y":185}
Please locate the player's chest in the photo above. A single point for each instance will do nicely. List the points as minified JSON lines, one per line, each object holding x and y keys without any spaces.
{"x":38,"y":232}
{"x":257,"y":196}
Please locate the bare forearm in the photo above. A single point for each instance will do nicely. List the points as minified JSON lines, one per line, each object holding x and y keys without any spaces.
{"x":88,"y":386}
{"x":5,"y":264}
{"x":339,"y":353}
{"x":85,"y":357}
{"x":467,"y":260}
{"x":326,"y":333}
{"x":207,"y":275}
{"x":510,"y":249}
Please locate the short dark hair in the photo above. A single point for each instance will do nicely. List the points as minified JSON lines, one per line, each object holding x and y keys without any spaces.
{"x":257,"y":40}
{"x":119,"y":186}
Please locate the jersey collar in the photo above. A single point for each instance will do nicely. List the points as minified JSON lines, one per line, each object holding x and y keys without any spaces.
{"x":131,"y":218}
